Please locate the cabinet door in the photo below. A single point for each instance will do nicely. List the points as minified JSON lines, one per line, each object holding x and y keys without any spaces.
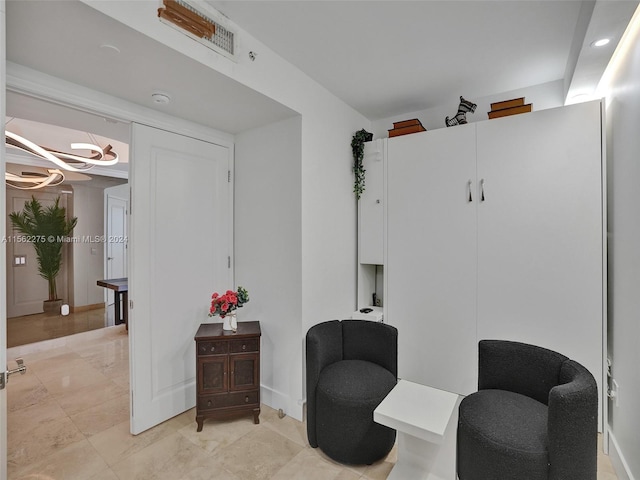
{"x":244,"y":371}
{"x":540,"y":241}
{"x":370,"y":206}
{"x":431,"y":256}
{"x":212,"y":374}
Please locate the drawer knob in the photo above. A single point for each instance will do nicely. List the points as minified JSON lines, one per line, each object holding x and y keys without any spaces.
{"x":213,"y":349}
{"x":244,"y":347}
{"x":246,"y":399}
{"x":209,"y":403}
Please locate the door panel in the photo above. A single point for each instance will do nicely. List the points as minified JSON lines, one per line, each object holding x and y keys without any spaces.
{"x":116,"y":243}
{"x":371,"y":207}
{"x":181,"y":228}
{"x":540,"y":250}
{"x":431,"y":257}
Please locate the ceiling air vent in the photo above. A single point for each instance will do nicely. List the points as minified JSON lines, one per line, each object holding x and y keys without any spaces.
{"x":203,"y":26}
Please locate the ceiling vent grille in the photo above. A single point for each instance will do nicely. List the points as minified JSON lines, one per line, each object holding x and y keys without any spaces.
{"x":199,"y":25}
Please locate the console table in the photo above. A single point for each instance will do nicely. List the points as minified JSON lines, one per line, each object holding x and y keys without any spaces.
{"x":426,"y":420}
{"x":120,"y":287}
{"x":228,"y":371}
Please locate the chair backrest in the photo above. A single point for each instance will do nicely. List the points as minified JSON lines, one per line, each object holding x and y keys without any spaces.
{"x":572,"y":425}
{"x":518,"y":367}
{"x":371,"y":341}
{"x":323,"y":347}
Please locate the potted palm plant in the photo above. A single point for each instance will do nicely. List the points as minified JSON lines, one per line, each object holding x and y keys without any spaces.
{"x":46,"y":228}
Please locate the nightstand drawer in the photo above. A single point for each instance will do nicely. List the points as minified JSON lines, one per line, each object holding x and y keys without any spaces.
{"x":227,"y":400}
{"x":246,"y":345}
{"x":213,"y":348}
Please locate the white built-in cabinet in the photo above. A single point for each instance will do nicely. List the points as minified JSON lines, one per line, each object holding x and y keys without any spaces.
{"x":371,"y":229}
{"x":495,"y":230}
{"x":370,"y":206}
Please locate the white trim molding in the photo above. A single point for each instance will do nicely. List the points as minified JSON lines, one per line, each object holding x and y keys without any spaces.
{"x":617,"y":459}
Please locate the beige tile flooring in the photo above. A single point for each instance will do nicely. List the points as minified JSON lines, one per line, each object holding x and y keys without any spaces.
{"x":69,"y":420}
{"x":40,"y":326}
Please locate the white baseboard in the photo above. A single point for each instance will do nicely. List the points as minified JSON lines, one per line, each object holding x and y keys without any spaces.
{"x":278,"y":400}
{"x":618,"y":461}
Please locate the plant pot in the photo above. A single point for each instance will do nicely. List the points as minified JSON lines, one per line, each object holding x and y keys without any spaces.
{"x":52,"y":307}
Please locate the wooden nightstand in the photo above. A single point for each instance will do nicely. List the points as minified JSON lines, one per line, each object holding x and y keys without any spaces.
{"x":228,"y":369}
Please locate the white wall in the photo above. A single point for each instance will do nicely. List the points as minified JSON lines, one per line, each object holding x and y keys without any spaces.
{"x":268,"y":250}
{"x":88,"y":257}
{"x":328,"y":207}
{"x":623,"y":157}
{"x":546,"y":95}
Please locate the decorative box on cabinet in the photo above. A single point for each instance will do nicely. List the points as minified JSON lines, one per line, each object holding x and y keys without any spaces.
{"x":228,"y":371}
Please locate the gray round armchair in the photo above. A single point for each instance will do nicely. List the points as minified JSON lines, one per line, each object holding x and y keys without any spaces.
{"x":534,"y":417}
{"x":351,"y":366}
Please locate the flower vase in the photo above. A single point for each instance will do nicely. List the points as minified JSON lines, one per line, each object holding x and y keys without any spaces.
{"x":230,"y":323}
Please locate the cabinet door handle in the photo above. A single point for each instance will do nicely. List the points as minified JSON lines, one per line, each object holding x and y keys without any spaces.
{"x":469,"y":187}
{"x":482,"y":190}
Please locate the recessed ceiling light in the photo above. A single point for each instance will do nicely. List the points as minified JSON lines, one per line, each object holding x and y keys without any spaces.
{"x":601,"y":43}
{"x":160,"y":98}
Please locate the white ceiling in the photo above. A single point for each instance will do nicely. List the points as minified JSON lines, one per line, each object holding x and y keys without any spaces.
{"x":388,"y":57}
{"x":381,"y":57}
{"x":64,"y":39}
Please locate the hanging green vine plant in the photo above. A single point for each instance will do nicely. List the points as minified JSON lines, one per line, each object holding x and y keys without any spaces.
{"x":357,"y":146}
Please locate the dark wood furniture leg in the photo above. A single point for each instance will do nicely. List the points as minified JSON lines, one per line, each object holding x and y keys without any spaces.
{"x":117,"y":320}
{"x":125,"y":309}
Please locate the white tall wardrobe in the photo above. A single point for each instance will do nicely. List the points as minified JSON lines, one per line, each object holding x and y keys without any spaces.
{"x":494,"y":230}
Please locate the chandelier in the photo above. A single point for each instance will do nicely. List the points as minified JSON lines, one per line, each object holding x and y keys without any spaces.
{"x":64,"y":161}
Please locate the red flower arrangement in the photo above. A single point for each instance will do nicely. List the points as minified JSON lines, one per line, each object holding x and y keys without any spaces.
{"x":224,"y":304}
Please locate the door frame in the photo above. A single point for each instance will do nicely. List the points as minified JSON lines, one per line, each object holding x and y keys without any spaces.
{"x":34,"y":84}
{"x":109,"y":198}
{"x":3,"y":251}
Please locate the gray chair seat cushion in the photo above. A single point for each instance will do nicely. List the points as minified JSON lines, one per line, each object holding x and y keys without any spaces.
{"x":347,"y":393}
{"x":503,"y":435}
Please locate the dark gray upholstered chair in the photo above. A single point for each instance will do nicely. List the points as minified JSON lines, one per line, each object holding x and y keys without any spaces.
{"x":351,"y":366}
{"x":534,"y":417}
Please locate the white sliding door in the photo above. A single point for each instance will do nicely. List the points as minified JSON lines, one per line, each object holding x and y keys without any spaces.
{"x":431,"y":256}
{"x":540,"y":245}
{"x":181,"y":229}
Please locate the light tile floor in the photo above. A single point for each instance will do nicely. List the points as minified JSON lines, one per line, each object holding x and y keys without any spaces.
{"x":69,"y":420}
{"x":41,"y":326}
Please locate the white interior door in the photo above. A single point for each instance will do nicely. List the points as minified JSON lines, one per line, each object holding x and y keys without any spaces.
{"x":116,"y":236}
{"x":431,"y":256}
{"x":540,"y":244}
{"x":180,"y":248}
{"x":3,"y":253}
